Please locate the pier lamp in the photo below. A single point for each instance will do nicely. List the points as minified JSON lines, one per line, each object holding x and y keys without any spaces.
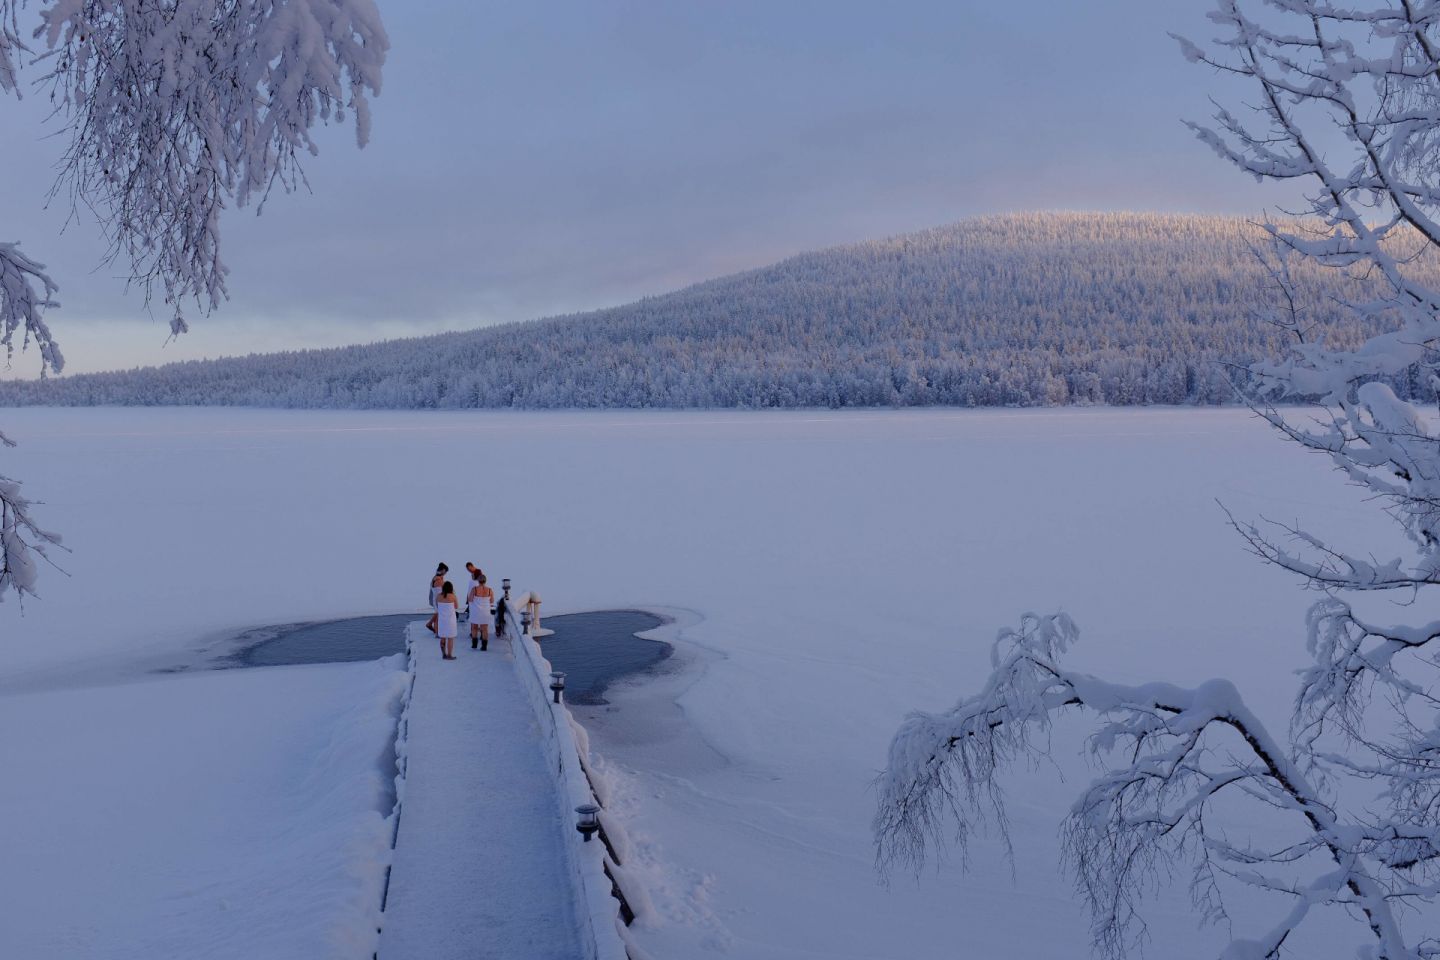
{"x":557,"y":684}
{"x":505,"y":586}
{"x":589,"y":821}
{"x":525,"y":622}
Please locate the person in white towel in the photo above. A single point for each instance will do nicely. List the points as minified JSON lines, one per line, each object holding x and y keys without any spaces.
{"x":435,"y":584}
{"x":447,"y":621}
{"x":482,"y":604}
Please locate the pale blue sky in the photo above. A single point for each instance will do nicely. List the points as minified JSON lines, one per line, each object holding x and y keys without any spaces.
{"x":530,"y":159}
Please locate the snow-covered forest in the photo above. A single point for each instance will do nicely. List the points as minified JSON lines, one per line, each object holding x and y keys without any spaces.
{"x":1027,"y":309}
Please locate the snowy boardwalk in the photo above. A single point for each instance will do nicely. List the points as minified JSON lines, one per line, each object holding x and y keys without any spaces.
{"x":480,"y":864}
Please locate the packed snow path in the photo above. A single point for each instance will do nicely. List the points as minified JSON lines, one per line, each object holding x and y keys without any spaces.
{"x":480,"y":868}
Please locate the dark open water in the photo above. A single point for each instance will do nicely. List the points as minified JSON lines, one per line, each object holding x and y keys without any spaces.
{"x":593,"y":649}
{"x":596,"y":649}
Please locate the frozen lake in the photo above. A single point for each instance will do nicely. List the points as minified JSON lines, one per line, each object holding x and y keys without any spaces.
{"x":826,"y":572}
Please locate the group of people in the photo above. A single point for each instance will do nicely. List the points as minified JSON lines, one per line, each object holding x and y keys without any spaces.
{"x":479,"y":606}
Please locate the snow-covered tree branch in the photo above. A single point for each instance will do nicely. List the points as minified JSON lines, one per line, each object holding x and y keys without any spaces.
{"x":173,"y":111}
{"x":25,"y":291}
{"x":23,"y":542}
{"x":11,"y":46}
{"x":1349,"y":104}
{"x":1171,"y":752}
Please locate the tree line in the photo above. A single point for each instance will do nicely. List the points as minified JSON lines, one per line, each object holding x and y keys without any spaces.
{"x":1036,"y":309}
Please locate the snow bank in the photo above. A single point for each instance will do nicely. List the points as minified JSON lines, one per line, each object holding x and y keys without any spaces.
{"x":595,"y":868}
{"x":242,"y":814}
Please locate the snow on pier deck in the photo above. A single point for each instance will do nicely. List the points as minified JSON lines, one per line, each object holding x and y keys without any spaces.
{"x":480,"y":864}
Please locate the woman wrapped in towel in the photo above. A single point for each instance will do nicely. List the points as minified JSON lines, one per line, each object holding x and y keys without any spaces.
{"x":481,"y":601}
{"x":447,"y":608}
{"x":436,"y":582}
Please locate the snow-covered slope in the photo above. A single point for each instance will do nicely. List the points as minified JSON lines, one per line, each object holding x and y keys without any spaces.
{"x":1033,"y":309}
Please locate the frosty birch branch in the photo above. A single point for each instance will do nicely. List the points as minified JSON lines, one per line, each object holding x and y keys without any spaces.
{"x":176,"y":110}
{"x":173,"y":111}
{"x":1148,"y":809}
{"x":11,"y":46}
{"x":25,"y":292}
{"x":1374,"y":75}
{"x":23,"y":543}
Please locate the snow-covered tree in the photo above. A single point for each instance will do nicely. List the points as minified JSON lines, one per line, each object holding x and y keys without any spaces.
{"x":173,"y":110}
{"x":1347,"y":101}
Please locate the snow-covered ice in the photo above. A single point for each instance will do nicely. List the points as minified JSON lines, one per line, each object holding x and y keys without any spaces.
{"x":243,"y":814}
{"x":830,"y":571}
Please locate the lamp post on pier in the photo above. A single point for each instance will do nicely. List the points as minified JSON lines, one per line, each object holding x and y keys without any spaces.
{"x":589,"y":821}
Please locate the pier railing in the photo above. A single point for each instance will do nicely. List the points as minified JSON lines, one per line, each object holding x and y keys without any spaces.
{"x":609,"y":900}
{"x":402,"y":767}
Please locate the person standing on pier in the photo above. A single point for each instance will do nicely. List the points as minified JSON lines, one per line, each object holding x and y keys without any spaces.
{"x":502,"y":612}
{"x":436,"y":582}
{"x":447,"y":620}
{"x":481,"y":600}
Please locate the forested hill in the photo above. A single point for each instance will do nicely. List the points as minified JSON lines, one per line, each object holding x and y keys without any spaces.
{"x":1024,"y":309}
